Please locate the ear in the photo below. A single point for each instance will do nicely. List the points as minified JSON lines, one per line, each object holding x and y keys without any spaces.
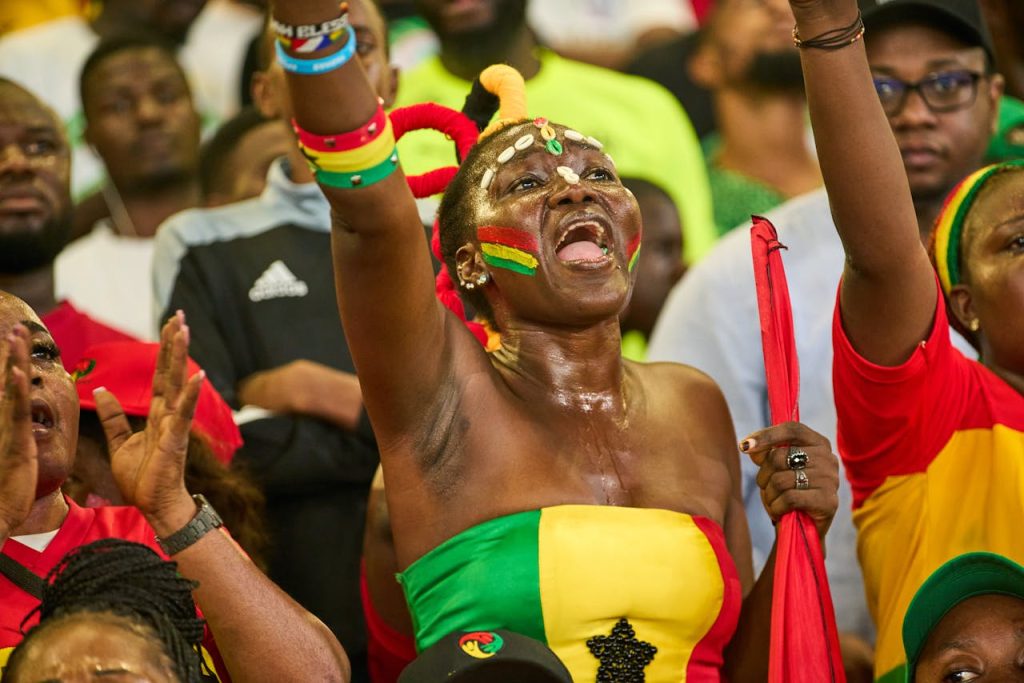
{"x":704,"y":66}
{"x":469,"y":266}
{"x":392,"y":92}
{"x":262,"y":95}
{"x":962,"y":304}
{"x":995,"y":92}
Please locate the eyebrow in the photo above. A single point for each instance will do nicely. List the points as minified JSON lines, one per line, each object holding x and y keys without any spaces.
{"x":34,"y":327}
{"x":931,"y":66}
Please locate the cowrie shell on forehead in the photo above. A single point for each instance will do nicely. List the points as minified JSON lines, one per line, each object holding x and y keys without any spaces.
{"x":570,"y":175}
{"x":573,"y":135}
{"x":506,"y":154}
{"x":594,"y":142}
{"x":524,"y":142}
{"x":609,"y":158}
{"x":485,"y":182}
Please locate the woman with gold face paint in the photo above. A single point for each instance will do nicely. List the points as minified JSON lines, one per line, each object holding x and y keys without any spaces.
{"x":541,"y":484}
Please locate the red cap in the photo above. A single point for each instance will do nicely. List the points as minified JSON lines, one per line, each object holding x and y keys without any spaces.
{"x":126,"y":368}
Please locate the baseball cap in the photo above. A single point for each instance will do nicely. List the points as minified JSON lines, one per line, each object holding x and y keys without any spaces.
{"x":486,"y":657}
{"x":963,"y":577}
{"x":961,"y":18}
{"x":125,"y":369}
{"x":1008,"y":142}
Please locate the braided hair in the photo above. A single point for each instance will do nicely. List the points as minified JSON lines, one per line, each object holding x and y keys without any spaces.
{"x":127,"y":580}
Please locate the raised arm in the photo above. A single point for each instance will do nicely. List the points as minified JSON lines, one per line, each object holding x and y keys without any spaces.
{"x":396,"y":328}
{"x":888,"y":291}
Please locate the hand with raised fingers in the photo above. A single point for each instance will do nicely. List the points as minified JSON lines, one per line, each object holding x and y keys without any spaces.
{"x":798,"y":471}
{"x":149,"y":466}
{"x":19,"y":465}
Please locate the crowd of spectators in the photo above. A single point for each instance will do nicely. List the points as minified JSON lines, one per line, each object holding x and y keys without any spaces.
{"x":243,"y":362}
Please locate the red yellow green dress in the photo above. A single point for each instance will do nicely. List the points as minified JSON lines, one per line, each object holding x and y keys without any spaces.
{"x":600,"y":585}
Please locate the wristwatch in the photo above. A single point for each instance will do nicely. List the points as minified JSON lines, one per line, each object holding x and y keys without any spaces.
{"x":205,"y":521}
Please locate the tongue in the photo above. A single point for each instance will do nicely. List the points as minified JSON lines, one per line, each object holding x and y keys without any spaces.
{"x":580,"y":251}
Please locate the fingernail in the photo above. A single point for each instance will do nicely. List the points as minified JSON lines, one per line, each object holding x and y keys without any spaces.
{"x":180,"y":314}
{"x":202,"y":375}
{"x":97,"y":390}
{"x":747,"y":444}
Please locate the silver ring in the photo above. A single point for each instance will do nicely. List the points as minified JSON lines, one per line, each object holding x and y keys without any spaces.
{"x":802,"y":482}
{"x":797,"y":459}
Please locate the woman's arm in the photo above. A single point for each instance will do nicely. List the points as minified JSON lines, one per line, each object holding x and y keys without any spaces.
{"x":397,"y":330}
{"x":261,"y":633}
{"x":888,"y":291}
{"x":747,"y":655}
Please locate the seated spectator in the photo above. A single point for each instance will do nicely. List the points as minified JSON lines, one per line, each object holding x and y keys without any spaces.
{"x":710,"y":319}
{"x":604,"y":33}
{"x":658,"y":268}
{"x":964,"y":622}
{"x":113,"y":608}
{"x":35,"y":219}
{"x":140,"y":119}
{"x":261,"y":633}
{"x":254,"y":279}
{"x":47,"y":59}
{"x":933,"y":441}
{"x":124,"y":369}
{"x":234,"y":163}
{"x":759,"y":155}
{"x":639,"y":124}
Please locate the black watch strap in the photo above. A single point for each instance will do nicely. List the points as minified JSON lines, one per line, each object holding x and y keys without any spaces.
{"x":206,"y":520}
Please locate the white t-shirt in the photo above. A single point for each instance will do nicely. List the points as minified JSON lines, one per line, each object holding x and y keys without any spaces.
{"x":569,"y":25}
{"x":37,"y":542}
{"x":109,"y":278}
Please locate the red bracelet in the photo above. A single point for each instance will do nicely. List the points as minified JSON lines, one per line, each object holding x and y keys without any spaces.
{"x":341,"y":142}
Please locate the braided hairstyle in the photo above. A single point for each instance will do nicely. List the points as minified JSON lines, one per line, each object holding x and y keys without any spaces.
{"x":130,"y":582}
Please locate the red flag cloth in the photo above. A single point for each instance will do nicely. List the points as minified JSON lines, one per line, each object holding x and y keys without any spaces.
{"x":804,"y":638}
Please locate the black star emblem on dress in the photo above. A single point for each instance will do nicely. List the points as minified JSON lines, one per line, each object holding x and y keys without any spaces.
{"x":623,"y":658}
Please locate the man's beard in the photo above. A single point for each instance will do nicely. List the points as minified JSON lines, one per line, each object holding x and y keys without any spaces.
{"x":27,"y":250}
{"x":775,"y":72}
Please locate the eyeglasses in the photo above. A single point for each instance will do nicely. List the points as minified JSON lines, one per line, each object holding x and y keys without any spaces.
{"x":942,"y":92}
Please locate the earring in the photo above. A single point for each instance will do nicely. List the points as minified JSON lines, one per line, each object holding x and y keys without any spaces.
{"x":974,"y":325}
{"x":483,"y":278}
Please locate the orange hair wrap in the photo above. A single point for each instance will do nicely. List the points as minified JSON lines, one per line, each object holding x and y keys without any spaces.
{"x":508,"y":85}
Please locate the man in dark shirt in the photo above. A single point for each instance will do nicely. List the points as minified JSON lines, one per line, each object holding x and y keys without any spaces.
{"x":255,"y":280}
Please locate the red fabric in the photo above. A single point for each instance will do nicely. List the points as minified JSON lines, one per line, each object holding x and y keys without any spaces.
{"x":706,"y":660}
{"x":74,"y":332}
{"x":804,"y":638}
{"x":80,"y":527}
{"x":388,"y":651}
{"x":914,"y":408}
{"x":126,"y":370}
{"x":701,"y":9}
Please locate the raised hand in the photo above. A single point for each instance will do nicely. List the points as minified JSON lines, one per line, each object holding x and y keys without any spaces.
{"x":789,"y":481}
{"x":149,"y":466}
{"x":18,"y":454}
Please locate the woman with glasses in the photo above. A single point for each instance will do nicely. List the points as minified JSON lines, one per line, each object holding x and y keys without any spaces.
{"x":933,"y":442}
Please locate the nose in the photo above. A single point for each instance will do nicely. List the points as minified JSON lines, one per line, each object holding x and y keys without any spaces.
{"x":13,"y":160}
{"x":149,"y":110}
{"x":914,"y":114}
{"x":577,"y":193}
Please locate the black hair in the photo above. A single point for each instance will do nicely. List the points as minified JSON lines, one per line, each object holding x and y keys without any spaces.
{"x":129,"y":580}
{"x":215,"y":154}
{"x":455,"y":226}
{"x":109,"y":47}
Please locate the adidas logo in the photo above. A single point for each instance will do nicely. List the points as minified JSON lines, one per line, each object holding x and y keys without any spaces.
{"x":277,"y":282}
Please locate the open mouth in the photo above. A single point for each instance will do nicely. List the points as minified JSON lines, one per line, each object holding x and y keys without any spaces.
{"x":42,"y":417}
{"x":583,"y":241}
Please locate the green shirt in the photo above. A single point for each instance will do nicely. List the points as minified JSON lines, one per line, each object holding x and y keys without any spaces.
{"x":642,"y":126}
{"x":736,"y":197}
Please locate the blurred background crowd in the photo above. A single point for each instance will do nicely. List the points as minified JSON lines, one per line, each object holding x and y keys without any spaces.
{"x":184,"y":190}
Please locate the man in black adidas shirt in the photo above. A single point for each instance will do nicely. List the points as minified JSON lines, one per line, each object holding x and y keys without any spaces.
{"x":256,"y":282}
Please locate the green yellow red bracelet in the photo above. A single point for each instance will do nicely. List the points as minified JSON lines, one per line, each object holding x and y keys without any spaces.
{"x":352,"y":160}
{"x":362,"y":178}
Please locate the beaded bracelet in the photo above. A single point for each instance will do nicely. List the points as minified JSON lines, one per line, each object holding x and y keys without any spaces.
{"x":363,"y":178}
{"x":350,"y":161}
{"x":322,"y":65}
{"x":363,"y":135}
{"x":835,"y":39}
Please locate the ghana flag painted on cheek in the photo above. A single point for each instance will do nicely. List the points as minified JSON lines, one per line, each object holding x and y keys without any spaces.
{"x":509,"y":248}
{"x":633,"y":251}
